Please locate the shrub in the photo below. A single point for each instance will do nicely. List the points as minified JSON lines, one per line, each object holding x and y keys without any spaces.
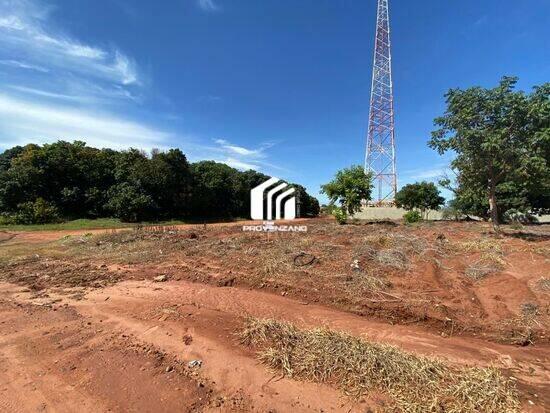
{"x":412,"y":217}
{"x":6,"y":219}
{"x":38,"y":212}
{"x":514,"y":216}
{"x":340,"y":215}
{"x":451,"y":212}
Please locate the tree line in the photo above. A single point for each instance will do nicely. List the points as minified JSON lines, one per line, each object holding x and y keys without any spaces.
{"x":63,"y":180}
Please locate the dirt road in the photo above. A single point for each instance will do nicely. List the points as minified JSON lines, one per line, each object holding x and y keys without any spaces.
{"x":126,"y":348}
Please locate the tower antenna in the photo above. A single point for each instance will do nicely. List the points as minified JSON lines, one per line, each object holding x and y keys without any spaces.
{"x":380,"y":154}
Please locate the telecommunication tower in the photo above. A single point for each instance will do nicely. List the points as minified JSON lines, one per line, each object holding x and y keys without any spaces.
{"x":380,"y":154}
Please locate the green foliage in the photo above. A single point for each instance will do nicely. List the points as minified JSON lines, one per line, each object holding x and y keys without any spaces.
{"x":501,"y":138}
{"x":515,"y":216}
{"x":452,"y":211}
{"x":308,"y":206}
{"x":420,"y":195}
{"x":77,"y":181}
{"x":129,"y":204}
{"x":328,"y":209}
{"x":340,"y":215}
{"x":37,"y":212}
{"x":410,"y":217}
{"x":349,"y":187}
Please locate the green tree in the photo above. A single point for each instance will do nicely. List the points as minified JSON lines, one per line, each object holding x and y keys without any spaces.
{"x":421,"y":196}
{"x":7,"y":156}
{"x":129,"y":203}
{"x":215,"y":186}
{"x":349,"y":188}
{"x":308,"y":205}
{"x":501,"y":139}
{"x":72,"y":180}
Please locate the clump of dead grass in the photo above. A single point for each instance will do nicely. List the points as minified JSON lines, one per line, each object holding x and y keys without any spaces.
{"x":370,"y":283}
{"x":544,"y":284}
{"x":391,"y":250}
{"x":490,"y":249}
{"x":415,"y":383}
{"x":479,"y":270}
{"x":523,"y":329}
{"x":544,"y":251}
{"x":143,"y":244}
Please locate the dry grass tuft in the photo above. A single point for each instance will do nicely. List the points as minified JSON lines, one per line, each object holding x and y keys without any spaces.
{"x":370,"y":283}
{"x":489,"y":248}
{"x":479,"y":270}
{"x":391,"y":250}
{"x":544,"y":284}
{"x":415,"y":383}
{"x":544,"y":251}
{"x":143,"y":244}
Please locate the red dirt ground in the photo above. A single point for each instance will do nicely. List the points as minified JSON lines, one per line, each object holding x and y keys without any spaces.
{"x":84,"y":328}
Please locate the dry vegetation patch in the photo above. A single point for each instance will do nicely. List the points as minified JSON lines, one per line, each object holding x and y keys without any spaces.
{"x":490,"y":249}
{"x":40,"y":273}
{"x":544,"y":284}
{"x":526,"y":328}
{"x":415,"y":383}
{"x":137,"y":246}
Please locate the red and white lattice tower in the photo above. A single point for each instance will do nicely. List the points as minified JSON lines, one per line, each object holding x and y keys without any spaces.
{"x":380,"y":156}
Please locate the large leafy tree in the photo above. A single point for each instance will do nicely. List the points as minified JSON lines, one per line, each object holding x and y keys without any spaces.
{"x":421,"y":196}
{"x":349,"y":188}
{"x":501,"y":141}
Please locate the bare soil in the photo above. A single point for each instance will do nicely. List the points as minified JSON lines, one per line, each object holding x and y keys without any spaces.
{"x":84,"y":325}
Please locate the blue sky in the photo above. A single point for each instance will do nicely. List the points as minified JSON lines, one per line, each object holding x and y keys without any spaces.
{"x":281,"y":86}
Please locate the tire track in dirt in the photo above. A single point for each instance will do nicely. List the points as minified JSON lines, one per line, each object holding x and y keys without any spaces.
{"x":164,"y":314}
{"x":214,"y":309}
{"x":53,"y":361}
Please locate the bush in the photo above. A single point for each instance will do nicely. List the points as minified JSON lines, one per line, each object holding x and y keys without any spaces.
{"x":411,"y":217}
{"x":340,"y":215}
{"x":6,"y":219}
{"x":514,"y":216}
{"x":450,"y":213}
{"x":38,"y":212}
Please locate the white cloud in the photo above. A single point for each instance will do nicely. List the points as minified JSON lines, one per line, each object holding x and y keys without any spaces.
{"x":237,"y":156}
{"x":44,"y":93}
{"x":431,"y":174}
{"x":208,"y":5}
{"x":237,"y":164}
{"x":23,"y":65}
{"x":11,"y":23}
{"x":65,"y":82}
{"x":126,"y":68}
{"x":25,"y":28}
{"x":240,"y":150}
{"x":26,"y":121}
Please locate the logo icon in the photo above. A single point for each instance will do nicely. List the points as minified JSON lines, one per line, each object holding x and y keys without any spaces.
{"x":261,"y":193}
